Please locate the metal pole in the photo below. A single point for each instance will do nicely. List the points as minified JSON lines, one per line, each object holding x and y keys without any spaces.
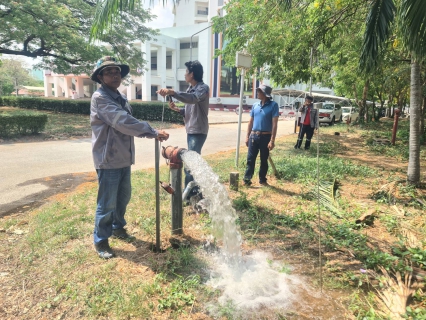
{"x":395,"y":125}
{"x":157,"y":196}
{"x":190,"y":43}
{"x":240,"y":116}
{"x":176,"y":183}
{"x":310,"y":80}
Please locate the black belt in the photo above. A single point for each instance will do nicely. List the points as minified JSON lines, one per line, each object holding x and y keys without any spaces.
{"x":261,"y":132}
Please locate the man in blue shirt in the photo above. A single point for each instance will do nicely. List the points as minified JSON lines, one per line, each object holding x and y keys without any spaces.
{"x":261,"y":133}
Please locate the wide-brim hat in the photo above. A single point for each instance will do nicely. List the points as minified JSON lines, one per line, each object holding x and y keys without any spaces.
{"x":107,"y":62}
{"x":267,"y":90}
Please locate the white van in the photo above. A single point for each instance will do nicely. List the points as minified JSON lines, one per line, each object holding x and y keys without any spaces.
{"x":330,"y":113}
{"x":350,"y":114}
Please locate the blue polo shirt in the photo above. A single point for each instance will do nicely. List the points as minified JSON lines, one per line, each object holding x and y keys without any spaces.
{"x":263,"y":115}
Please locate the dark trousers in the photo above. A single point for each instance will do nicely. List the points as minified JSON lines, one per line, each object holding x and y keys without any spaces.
{"x":195,"y":143}
{"x":258,"y":143}
{"x":309,"y":131}
{"x":113,"y":196}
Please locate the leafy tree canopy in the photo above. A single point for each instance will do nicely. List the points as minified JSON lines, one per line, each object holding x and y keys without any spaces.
{"x":57,"y":31}
{"x":281,"y":38}
{"x":14,"y":75}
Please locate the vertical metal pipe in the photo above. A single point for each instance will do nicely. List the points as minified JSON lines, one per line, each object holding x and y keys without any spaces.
{"x":310,"y":79}
{"x":240,"y":115}
{"x":157,"y":196}
{"x":176,"y":183}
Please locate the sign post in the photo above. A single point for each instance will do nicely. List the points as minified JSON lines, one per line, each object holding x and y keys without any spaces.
{"x":243,"y":61}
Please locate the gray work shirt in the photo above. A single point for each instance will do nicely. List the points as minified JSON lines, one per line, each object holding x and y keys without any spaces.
{"x":196,"y":109}
{"x":114,"y":129}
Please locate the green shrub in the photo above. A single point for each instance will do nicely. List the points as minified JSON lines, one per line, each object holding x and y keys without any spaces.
{"x":24,"y":123}
{"x":148,"y":111}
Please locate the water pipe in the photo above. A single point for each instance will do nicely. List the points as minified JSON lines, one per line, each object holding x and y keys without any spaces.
{"x":157,"y":197}
{"x":188,"y":189}
{"x":174,"y":156}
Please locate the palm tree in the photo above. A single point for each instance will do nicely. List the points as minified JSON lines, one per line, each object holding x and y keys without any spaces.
{"x":108,"y":11}
{"x":411,"y":15}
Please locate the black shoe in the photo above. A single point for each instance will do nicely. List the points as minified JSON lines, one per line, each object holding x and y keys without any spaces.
{"x":122,"y":234}
{"x":247,"y":183}
{"x":104,"y":250}
{"x":296,"y":147}
{"x":264,"y":183}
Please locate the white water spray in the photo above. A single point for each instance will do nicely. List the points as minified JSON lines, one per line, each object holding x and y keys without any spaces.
{"x":218,"y":206}
{"x":254,"y":282}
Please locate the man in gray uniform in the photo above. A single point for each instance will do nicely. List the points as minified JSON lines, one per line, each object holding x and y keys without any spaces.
{"x":195,"y":112}
{"x":308,"y":123}
{"x":113,"y":149}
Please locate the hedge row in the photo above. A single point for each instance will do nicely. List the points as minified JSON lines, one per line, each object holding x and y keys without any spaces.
{"x":25,"y":123}
{"x":149,"y":111}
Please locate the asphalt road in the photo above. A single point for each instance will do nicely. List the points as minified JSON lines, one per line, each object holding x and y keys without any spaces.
{"x":30,"y":172}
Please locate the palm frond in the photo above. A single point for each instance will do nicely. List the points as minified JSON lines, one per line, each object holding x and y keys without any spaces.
{"x":413,"y":26}
{"x":327,"y":193}
{"x":286,"y":4}
{"x":378,"y":26}
{"x":107,"y":12}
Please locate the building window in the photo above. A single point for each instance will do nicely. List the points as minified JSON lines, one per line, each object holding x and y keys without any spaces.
{"x":230,"y":82}
{"x":153,"y":63}
{"x":154,"y":96}
{"x":204,"y":11}
{"x":183,"y":86}
{"x":168,"y":62}
{"x":187,"y":45}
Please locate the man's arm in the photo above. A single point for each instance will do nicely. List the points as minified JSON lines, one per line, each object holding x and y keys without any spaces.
{"x":201,"y":93}
{"x":271,"y":143}
{"x":274,"y":128}
{"x":249,"y":128}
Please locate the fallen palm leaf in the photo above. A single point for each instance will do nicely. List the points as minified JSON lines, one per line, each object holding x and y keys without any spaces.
{"x":326,"y":193}
{"x":395,"y":293}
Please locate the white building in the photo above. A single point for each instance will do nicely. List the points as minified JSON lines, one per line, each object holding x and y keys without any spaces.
{"x":190,"y":38}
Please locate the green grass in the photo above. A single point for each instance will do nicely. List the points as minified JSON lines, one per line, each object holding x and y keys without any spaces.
{"x":57,"y":250}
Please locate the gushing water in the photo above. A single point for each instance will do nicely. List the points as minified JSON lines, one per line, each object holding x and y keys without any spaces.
{"x":252,"y":282}
{"x":218,"y":204}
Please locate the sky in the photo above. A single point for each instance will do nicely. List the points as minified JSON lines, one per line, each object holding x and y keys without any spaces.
{"x":164,"y":14}
{"x":164,"y":19}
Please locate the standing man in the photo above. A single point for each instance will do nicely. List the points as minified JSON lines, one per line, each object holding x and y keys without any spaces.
{"x":113,"y":149}
{"x":195,"y":112}
{"x":308,"y":123}
{"x":261,"y":133}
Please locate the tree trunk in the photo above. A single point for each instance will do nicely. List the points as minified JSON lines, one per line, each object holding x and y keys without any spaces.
{"x":422,"y":118}
{"x":363,"y":103}
{"x":16,"y":87}
{"x":413,"y":172}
